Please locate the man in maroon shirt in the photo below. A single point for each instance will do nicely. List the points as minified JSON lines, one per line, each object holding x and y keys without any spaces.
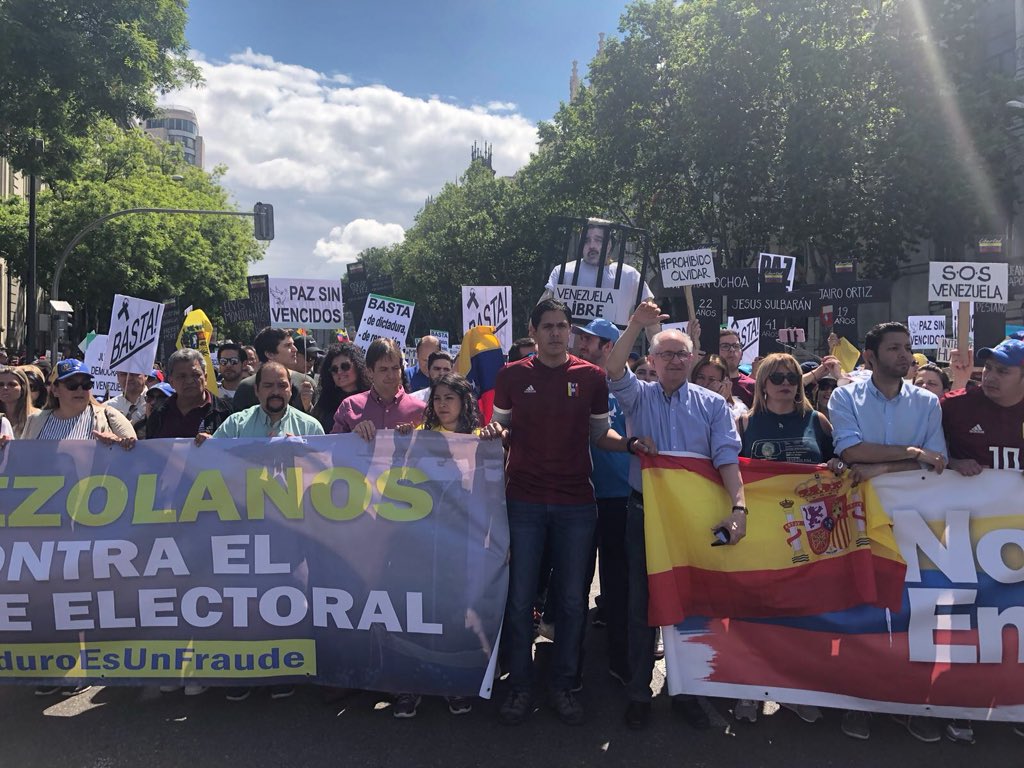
{"x":191,"y":409}
{"x":730,"y":349}
{"x":549,"y":408}
{"x":984,"y":426}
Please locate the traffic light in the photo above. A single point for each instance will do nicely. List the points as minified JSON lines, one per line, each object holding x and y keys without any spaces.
{"x":263,"y":221}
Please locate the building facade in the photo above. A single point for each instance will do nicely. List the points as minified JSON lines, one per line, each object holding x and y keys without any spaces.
{"x":12,"y":299}
{"x":178,"y":125}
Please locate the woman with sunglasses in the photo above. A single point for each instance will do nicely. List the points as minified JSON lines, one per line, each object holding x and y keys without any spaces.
{"x":71,"y":412}
{"x":342,"y":374}
{"x":783,"y":426}
{"x":15,"y":398}
{"x":37,"y":383}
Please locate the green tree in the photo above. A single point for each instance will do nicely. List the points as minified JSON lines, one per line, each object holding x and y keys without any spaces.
{"x":71,"y":63}
{"x":203,"y":259}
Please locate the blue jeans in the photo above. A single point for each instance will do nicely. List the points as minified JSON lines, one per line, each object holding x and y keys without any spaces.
{"x":569,"y":531}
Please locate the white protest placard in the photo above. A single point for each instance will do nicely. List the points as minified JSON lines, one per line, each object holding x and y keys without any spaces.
{"x":696,"y":267}
{"x":442,"y":336}
{"x":134,"y":333}
{"x":968,"y":281}
{"x":944,"y":348}
{"x":585,"y":304}
{"x":776,"y":269}
{"x":97,"y":361}
{"x":926,"y":330}
{"x":489,"y":305}
{"x":302,"y":303}
{"x":385,"y":318}
{"x":683,"y":326}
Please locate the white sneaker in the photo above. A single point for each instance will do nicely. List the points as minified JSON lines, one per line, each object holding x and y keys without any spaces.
{"x":194,"y":689}
{"x":745,"y":709}
{"x":170,"y":688}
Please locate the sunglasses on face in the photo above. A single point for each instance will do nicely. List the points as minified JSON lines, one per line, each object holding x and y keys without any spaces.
{"x":779,"y":378}
{"x":230,"y":361}
{"x":340,"y":368}
{"x":74,"y":386}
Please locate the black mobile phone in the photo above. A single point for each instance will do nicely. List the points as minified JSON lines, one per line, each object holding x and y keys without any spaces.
{"x":721,"y":536}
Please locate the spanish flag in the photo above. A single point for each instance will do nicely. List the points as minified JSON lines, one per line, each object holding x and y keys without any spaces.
{"x":480,"y":359}
{"x":813,"y":543}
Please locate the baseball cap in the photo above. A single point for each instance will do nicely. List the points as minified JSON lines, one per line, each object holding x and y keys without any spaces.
{"x":68,"y":368}
{"x":166,"y":389}
{"x":807,"y":366}
{"x":156,"y":374}
{"x":1009,"y":352}
{"x":920,"y":359}
{"x":600,"y":327}
{"x":306,"y":345}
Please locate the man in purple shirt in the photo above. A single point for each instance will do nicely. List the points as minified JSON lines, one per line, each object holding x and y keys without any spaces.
{"x":385,"y":405}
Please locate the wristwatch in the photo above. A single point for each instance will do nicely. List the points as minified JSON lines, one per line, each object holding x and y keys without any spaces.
{"x":630,"y":443}
{"x":741,"y":509}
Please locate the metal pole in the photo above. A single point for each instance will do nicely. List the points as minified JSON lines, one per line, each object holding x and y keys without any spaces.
{"x":55,"y":289}
{"x":31,"y":308}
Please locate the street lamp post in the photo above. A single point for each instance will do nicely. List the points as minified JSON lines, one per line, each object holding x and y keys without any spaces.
{"x":32,"y":310}
{"x":262,"y":214}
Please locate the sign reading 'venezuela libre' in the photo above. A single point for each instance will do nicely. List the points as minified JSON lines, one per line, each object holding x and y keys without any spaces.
{"x":956,"y":281}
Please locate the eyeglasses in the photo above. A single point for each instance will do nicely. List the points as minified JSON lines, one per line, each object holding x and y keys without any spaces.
{"x":340,"y":368}
{"x":730,"y":347}
{"x":668,"y":355}
{"x":75,"y":386}
{"x":789,"y":378}
{"x":230,"y":361}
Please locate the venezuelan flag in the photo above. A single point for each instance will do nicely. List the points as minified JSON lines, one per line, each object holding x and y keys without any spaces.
{"x":812,"y":546}
{"x":480,"y":359}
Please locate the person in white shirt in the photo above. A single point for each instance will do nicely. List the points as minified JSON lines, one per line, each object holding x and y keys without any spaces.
{"x":132,"y":400}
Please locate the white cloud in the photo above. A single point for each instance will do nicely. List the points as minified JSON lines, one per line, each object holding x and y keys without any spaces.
{"x":346,"y":166}
{"x":343,"y":244}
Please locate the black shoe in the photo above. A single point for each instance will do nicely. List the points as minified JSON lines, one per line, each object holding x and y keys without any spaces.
{"x":638,"y":714}
{"x":691,"y":711}
{"x":568,"y":707}
{"x":73,"y":690}
{"x":281,"y":691}
{"x":517,"y":705}
{"x":237,"y":693}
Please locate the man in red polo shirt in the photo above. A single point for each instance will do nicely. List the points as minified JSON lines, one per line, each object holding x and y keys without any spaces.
{"x":549,"y":408}
{"x":191,"y":409}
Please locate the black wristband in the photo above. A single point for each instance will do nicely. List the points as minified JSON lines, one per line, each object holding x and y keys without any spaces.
{"x":741,"y":509}
{"x":630,"y":443}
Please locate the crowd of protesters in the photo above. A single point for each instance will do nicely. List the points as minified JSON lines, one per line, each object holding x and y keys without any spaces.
{"x":575,"y":407}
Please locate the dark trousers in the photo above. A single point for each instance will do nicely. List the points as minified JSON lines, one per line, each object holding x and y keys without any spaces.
{"x":640,"y":636}
{"x":611,"y":543}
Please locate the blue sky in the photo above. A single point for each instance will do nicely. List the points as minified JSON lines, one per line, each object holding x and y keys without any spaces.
{"x":467,"y":52}
{"x":346,"y":116}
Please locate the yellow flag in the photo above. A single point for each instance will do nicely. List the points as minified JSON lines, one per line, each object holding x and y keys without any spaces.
{"x":847,"y":353}
{"x":195,"y":333}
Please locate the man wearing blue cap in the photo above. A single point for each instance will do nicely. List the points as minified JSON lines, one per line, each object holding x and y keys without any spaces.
{"x":984,"y":425}
{"x":594,"y":342}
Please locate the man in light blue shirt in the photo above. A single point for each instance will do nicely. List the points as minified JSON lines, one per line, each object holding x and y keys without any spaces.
{"x":272,"y":417}
{"x":886,"y":424}
{"x":670,"y":415}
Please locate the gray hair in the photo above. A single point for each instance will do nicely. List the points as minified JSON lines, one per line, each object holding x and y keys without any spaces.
{"x":671,"y":333}
{"x":186,"y":355}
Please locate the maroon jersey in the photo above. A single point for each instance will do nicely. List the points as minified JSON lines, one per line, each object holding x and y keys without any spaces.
{"x":549,"y":422}
{"x":743,"y":389}
{"x":976,"y":428}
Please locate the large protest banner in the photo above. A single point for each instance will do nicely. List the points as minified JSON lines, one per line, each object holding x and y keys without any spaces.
{"x":488,"y":305}
{"x":376,"y":566}
{"x":949,"y":645}
{"x":134,"y":334}
{"x":305,"y":303}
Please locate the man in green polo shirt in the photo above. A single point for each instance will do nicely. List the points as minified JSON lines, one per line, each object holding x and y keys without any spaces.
{"x":273,"y":416}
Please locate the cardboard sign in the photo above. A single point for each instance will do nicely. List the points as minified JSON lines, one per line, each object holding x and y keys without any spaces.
{"x":442,"y":336}
{"x":943,"y":349}
{"x":968,"y":281}
{"x":793,"y":304}
{"x":241,"y":310}
{"x":926,"y":330}
{"x":696,"y":267}
{"x":97,"y":361}
{"x":585,"y":304}
{"x":749,"y":332}
{"x":492,"y":305}
{"x":776,"y":270}
{"x":134,"y":334}
{"x":384,"y":318}
{"x":296,"y":303}
{"x":1016,"y":280}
